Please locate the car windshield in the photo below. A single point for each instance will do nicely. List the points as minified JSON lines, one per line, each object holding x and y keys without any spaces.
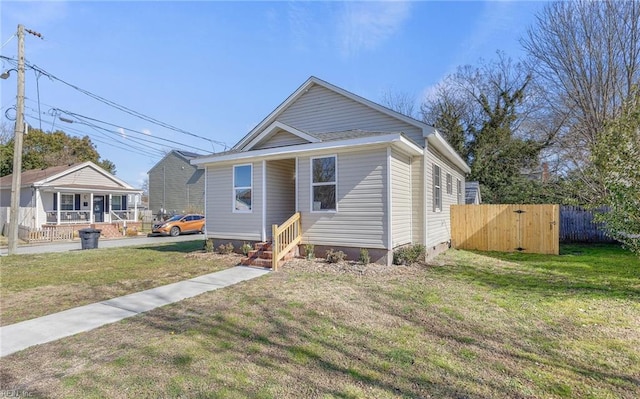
{"x":174,"y":218}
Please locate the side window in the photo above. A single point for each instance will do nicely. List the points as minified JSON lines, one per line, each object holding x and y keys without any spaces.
{"x":323,"y":184}
{"x":449,"y":184}
{"x":242,"y":188}
{"x":459,"y":190}
{"x":437,"y":188}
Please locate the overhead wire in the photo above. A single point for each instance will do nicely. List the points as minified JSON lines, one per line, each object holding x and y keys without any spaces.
{"x":89,"y":121}
{"x":122,"y":107}
{"x":126,"y":147}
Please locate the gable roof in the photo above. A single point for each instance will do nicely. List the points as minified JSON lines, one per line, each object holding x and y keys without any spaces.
{"x":39,"y":177}
{"x":271,"y":118}
{"x":186,"y":155}
{"x":429,"y":132}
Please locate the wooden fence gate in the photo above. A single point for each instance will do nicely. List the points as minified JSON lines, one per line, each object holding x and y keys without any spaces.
{"x":506,"y":228}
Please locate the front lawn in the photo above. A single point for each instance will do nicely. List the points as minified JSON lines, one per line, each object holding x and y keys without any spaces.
{"x":37,"y":285}
{"x":468,"y":325}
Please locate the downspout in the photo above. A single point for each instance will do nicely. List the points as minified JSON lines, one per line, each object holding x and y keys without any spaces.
{"x":264,"y":201}
{"x":206,"y":217}
{"x":389,"y":210}
{"x":425,"y":192}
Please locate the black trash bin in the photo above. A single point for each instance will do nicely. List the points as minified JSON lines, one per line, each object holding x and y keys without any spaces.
{"x":89,"y":238}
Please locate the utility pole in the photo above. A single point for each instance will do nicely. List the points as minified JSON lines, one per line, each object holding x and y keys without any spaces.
{"x":14,"y":210}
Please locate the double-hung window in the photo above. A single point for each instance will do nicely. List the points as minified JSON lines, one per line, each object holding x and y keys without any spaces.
{"x":449,"y":184}
{"x":66,"y":202}
{"x":323,"y":183}
{"x":242,"y":188}
{"x":116,"y":203}
{"x":459,"y":188}
{"x":437,"y":188}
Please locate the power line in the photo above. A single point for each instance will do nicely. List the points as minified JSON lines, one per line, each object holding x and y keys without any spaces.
{"x":146,"y":151}
{"x":85,"y":120}
{"x":122,"y":107}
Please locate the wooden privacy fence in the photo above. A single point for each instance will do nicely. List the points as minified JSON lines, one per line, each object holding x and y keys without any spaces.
{"x":578,"y":225}
{"x":506,"y":228}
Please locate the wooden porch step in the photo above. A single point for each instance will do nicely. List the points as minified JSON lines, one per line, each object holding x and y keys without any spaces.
{"x":262,"y":256}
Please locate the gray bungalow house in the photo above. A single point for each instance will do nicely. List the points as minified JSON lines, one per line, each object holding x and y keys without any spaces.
{"x":349,"y":172}
{"x":175,"y":185}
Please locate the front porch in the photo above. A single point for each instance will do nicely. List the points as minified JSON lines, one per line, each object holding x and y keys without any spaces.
{"x":80,"y":217}
{"x":69,"y":231}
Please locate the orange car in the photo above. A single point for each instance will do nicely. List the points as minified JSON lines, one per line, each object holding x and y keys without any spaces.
{"x":178,"y":224}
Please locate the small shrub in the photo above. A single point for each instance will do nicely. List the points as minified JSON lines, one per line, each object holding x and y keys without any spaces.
{"x":225,"y":249}
{"x":246,"y":247}
{"x":364,"y":258}
{"x":309,"y":251}
{"x":409,"y":254}
{"x":132,"y":232}
{"x":335,"y":256}
{"x":208,"y":245}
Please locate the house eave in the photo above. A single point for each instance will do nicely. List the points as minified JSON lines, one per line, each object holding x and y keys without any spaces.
{"x":396,"y":139}
{"x":436,"y":140}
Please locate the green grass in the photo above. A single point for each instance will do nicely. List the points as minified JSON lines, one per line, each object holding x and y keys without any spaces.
{"x":36,"y":285}
{"x":472,"y":325}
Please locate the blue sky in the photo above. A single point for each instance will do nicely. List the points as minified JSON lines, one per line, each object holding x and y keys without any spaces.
{"x":216,"y":69}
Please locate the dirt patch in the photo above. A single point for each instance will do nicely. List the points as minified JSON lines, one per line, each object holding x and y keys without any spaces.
{"x":319,"y":265}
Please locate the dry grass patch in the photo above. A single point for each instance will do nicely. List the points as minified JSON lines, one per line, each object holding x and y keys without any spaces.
{"x":441,"y":330}
{"x":37,"y":285}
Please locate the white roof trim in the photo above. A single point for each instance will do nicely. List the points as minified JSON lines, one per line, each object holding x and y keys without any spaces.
{"x":275,"y":126}
{"x":440,"y":144}
{"x":279,"y":152}
{"x":77,"y":167}
{"x":426,"y":129}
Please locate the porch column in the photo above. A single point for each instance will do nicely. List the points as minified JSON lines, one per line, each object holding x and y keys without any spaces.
{"x":91,"y":208}
{"x":110,"y":205}
{"x":59,"y":206}
{"x":36,"y":206}
{"x":135,"y":207}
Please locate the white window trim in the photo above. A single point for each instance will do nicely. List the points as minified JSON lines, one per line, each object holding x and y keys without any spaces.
{"x":312,"y":184}
{"x":459,"y":190}
{"x":73,"y":201}
{"x":118,"y":202}
{"x":438,"y":187}
{"x":449,"y":184}
{"x":234,"y":188}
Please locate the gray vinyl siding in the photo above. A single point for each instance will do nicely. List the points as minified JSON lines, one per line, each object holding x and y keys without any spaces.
{"x":417,"y":208}
{"x":85,"y":176}
{"x":439,"y":223}
{"x":280,"y":139}
{"x":222,"y":222}
{"x":176,"y":185}
{"x":401,"y":201}
{"x":361,"y":219}
{"x":322,"y":110}
{"x":281,"y":191}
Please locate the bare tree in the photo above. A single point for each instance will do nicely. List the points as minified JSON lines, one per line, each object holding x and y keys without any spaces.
{"x":401,"y":102}
{"x":586,"y":54}
{"x":491,"y":115}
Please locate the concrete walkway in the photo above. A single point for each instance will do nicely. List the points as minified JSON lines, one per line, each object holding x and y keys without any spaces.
{"x":19,"y":336}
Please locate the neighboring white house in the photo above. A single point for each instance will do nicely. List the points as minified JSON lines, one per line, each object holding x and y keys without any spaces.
{"x":75,"y":194}
{"x":360,"y":174}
